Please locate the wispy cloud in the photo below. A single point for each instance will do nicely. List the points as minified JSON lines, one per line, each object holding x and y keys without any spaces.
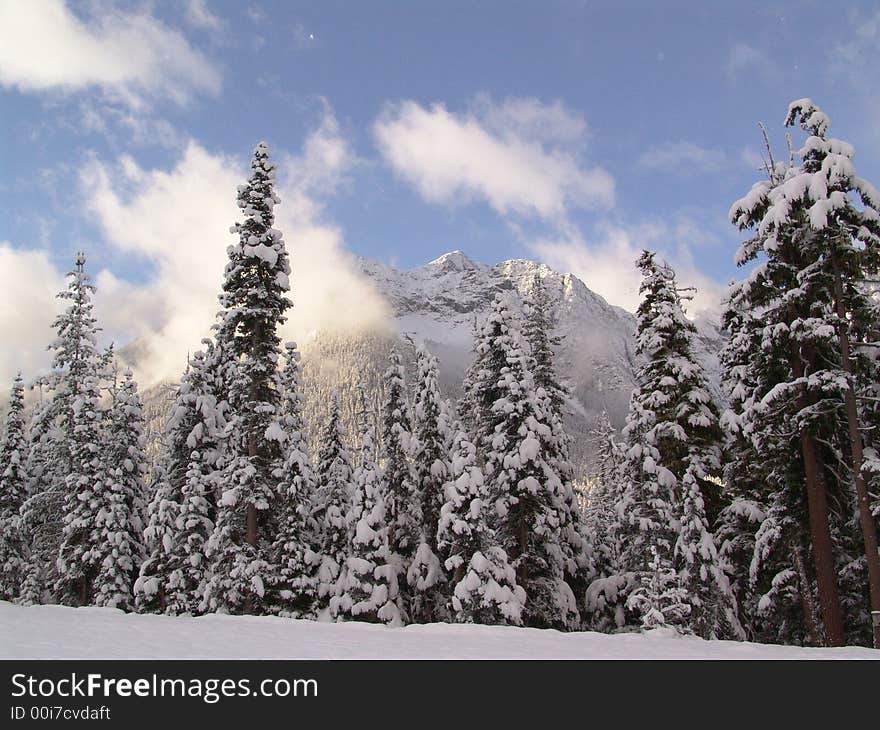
{"x":683,"y":158}
{"x":605,"y":260}
{"x":747,"y":60}
{"x":134,"y":57}
{"x":522,"y":157}
{"x":199,"y":15}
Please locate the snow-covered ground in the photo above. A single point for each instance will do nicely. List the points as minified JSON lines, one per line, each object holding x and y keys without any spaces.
{"x":56,"y":632}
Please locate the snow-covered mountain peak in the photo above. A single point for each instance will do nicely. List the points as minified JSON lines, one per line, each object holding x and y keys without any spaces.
{"x":451,"y":261}
{"x":440,"y":303}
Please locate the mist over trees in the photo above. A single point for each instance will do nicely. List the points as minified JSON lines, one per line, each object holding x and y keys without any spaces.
{"x":754,"y":517}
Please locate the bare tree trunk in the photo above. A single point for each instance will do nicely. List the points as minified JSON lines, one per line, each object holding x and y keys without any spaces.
{"x":820,"y":532}
{"x":866,"y":520}
{"x":823,"y":553}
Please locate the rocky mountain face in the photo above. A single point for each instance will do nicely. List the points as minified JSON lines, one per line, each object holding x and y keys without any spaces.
{"x":439,"y":303}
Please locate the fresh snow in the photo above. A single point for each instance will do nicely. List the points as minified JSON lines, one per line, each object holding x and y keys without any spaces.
{"x":60,"y":632}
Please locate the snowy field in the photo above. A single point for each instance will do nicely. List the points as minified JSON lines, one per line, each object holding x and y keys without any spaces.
{"x":57,"y":632}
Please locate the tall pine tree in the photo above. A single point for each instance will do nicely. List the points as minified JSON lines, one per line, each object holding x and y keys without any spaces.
{"x":432,"y":443}
{"x":402,"y":508}
{"x":515,"y":434}
{"x":673,"y":455}
{"x":330,"y":510}
{"x":294,"y":585}
{"x":13,"y":490}
{"x":254,"y":301}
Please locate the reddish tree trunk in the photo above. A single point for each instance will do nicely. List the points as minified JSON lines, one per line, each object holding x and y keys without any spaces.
{"x":807,"y":597}
{"x":820,"y":532}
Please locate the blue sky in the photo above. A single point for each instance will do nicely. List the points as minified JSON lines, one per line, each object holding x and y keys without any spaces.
{"x":571,"y":132}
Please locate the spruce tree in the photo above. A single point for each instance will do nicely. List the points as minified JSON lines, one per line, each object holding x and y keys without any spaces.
{"x":334,"y":492}
{"x":75,"y":370}
{"x":606,"y":594}
{"x":745,"y":476}
{"x":368,"y":585}
{"x":659,"y":599}
{"x":294,"y":585}
{"x":41,"y":528}
{"x":254,"y":301}
{"x":816,"y":249}
{"x":402,"y":508}
{"x":482,"y":581}
{"x":515,"y":434}
{"x":431,"y":442}
{"x":193,"y":438}
{"x":119,"y":549}
{"x":539,"y":327}
{"x":673,"y":448}
{"x":82,"y":545}
{"x":13,"y":490}
{"x":193,"y":528}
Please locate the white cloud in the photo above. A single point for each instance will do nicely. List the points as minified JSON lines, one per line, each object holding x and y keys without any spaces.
{"x":606,"y":261}
{"x":521,"y":156}
{"x":200,"y":16}
{"x":179,"y":220}
{"x":45,"y":46}
{"x":122,"y":125}
{"x":530,"y":118}
{"x":744,"y":59}
{"x":28,"y":285}
{"x":683,"y":158}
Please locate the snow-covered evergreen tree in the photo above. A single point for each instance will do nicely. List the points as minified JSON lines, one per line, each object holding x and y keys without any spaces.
{"x":193,"y":436}
{"x":41,"y":528}
{"x":294,"y":586}
{"x":13,"y":490}
{"x":119,"y":549}
{"x":673,"y":447}
{"x":539,"y":329}
{"x":815,"y":247}
{"x":745,"y":477}
{"x":659,"y":599}
{"x":520,"y":448}
{"x":483,"y":582}
{"x":334,"y":491}
{"x":431,"y":465}
{"x":75,"y":358}
{"x":51,"y":460}
{"x":196,"y":439}
{"x":193,"y":528}
{"x":606,"y":594}
{"x":402,"y":508}
{"x":254,"y":301}
{"x":81,"y":549}
{"x":713,"y":612}
{"x":368,"y":585}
